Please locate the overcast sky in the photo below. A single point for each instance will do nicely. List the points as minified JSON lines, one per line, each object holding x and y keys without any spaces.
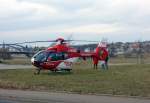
{"x":116,"y":20}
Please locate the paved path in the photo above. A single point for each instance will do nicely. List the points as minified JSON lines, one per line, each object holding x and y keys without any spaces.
{"x":18,"y":96}
{"x":6,"y":66}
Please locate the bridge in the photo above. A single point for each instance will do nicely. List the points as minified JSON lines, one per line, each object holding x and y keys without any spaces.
{"x":6,"y":50}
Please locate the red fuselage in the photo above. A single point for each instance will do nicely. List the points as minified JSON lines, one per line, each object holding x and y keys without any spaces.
{"x":62,"y":56}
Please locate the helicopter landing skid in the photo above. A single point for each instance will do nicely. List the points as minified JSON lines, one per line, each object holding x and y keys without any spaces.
{"x":37,"y":72}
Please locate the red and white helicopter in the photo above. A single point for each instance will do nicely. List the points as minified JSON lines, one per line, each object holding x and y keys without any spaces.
{"x":61,"y":56}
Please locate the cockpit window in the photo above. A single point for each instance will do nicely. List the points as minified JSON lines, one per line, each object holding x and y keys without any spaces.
{"x":50,"y":56}
{"x":56,"y":56}
{"x":41,"y":56}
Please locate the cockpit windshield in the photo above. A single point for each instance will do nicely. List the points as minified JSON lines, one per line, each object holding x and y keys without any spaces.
{"x":41,"y":56}
{"x":49,"y":56}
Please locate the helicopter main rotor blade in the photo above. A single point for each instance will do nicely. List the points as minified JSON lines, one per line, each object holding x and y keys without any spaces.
{"x":30,"y":42}
{"x":53,"y":41}
{"x":33,"y":42}
{"x":82,"y":40}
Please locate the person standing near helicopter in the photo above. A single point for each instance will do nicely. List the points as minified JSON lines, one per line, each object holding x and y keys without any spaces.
{"x":95,"y":62}
{"x":102,"y":56}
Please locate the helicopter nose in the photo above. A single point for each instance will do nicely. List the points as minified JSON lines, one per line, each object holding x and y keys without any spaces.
{"x":32,"y":60}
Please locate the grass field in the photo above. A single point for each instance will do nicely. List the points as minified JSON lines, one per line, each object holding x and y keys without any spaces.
{"x":18,"y":61}
{"x":128,"y":80}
